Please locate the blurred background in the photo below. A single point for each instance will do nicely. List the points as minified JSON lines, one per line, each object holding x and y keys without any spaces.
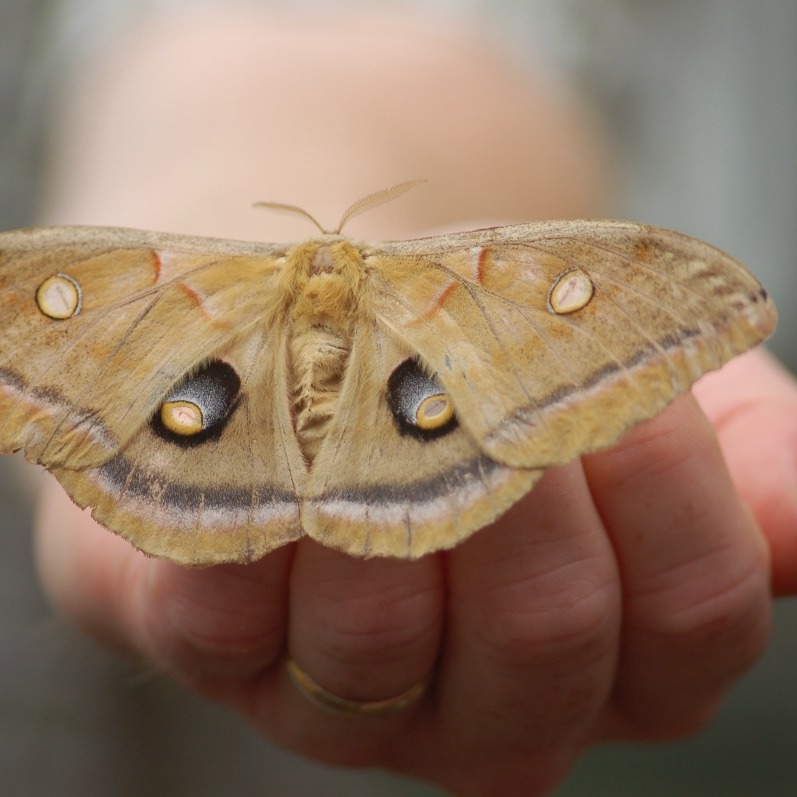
{"x":699,"y":101}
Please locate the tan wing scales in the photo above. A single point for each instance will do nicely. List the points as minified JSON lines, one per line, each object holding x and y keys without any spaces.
{"x":536,"y":386}
{"x":213,"y":400}
{"x":375,"y":491}
{"x":230,"y":498}
{"x":75,"y":390}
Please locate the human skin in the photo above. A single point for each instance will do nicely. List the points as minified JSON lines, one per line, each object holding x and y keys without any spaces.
{"x":619,"y":600}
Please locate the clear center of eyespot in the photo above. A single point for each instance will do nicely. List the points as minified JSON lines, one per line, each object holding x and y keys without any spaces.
{"x":181,"y":417}
{"x":434,"y":411}
{"x":59,"y":297}
{"x":200,"y":405}
{"x":572,"y":290}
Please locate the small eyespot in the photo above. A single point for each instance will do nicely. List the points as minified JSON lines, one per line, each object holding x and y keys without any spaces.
{"x":570,"y":291}
{"x":200,"y":404}
{"x":419,"y":405}
{"x":59,"y":297}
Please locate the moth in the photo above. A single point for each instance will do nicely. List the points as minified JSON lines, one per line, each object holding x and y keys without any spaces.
{"x":212,"y":400}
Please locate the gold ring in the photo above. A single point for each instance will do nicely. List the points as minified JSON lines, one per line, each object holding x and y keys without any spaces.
{"x":319,"y":696}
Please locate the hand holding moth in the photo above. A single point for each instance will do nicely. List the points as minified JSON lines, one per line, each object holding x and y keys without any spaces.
{"x":603,"y":581}
{"x":619,"y":599}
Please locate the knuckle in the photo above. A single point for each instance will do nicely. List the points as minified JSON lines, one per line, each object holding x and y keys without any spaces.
{"x":573,"y":624}
{"x":730,"y":612}
{"x":379,"y":630}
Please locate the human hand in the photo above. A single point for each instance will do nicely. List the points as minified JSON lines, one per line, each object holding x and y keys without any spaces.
{"x":618,"y":600}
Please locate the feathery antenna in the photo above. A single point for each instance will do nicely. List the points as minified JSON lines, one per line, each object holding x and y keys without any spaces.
{"x":375,"y":199}
{"x":367,"y":202}
{"x":290,"y":210}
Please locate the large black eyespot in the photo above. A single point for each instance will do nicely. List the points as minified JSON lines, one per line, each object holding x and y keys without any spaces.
{"x":419,"y":405}
{"x":198,"y":406}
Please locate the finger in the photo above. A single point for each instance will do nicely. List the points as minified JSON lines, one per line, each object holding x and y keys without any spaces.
{"x":693,"y":566}
{"x":212,"y":627}
{"x":363,"y":630}
{"x":531,"y":641}
{"x":752,"y":403}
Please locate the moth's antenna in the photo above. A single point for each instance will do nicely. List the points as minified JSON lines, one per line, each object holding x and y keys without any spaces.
{"x":291,"y":210}
{"x":377,"y":198}
{"x":367,"y":202}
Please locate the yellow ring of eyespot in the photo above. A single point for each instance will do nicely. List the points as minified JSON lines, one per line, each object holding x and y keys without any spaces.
{"x":182,"y":417}
{"x":59,"y":297}
{"x":425,"y":420}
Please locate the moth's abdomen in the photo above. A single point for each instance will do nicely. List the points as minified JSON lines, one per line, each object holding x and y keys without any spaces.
{"x":319,"y":356}
{"x":326,"y":303}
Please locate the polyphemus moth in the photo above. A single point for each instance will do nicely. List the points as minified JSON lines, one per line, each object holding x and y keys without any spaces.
{"x":213,"y":400}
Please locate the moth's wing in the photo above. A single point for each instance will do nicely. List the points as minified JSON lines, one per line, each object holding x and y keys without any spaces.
{"x":73,"y":391}
{"x":534,"y":378}
{"x":230,"y":497}
{"x":78,"y":395}
{"x":374,"y":490}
